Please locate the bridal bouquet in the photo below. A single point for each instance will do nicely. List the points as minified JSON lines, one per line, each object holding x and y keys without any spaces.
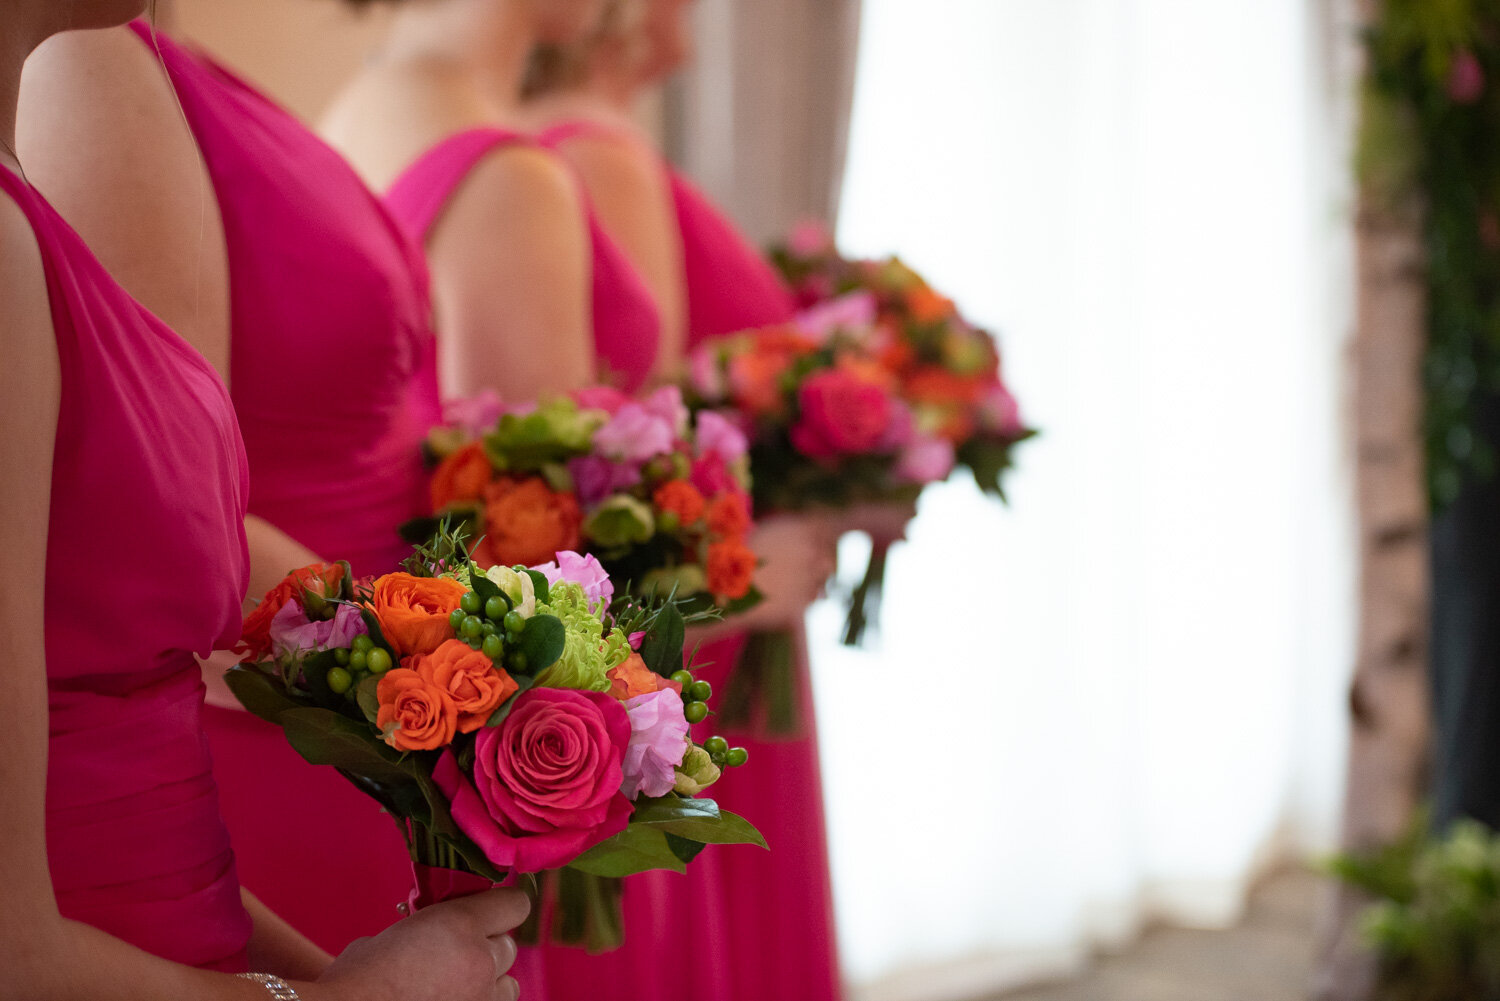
{"x":659,"y":497}
{"x":512,"y":720}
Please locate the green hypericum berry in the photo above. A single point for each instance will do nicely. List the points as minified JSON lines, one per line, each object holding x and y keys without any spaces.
{"x":488,"y":628}
{"x":339,"y":680}
{"x":363,"y":642}
{"x":378,"y":661}
{"x":514,"y":622}
{"x":456,"y":620}
{"x":495,"y":608}
{"x":470,"y":603}
{"x":516,"y":661}
{"x":341,"y":657}
{"x":700,"y":691}
{"x":683,"y":678}
{"x":717,"y":746}
{"x":472,"y":628}
{"x":737,"y":756}
{"x":696,"y":712}
{"x":359,"y":660}
{"x":493,"y":646}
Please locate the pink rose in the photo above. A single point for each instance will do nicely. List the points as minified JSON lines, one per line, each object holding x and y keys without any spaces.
{"x":634,"y":434}
{"x":925,"y":460}
{"x":658,"y":743}
{"x":546,"y":784}
{"x":718,"y":435}
{"x":292,"y":634}
{"x":585,"y":571}
{"x":712,"y":476}
{"x":605,"y":398}
{"x":841,"y":414}
{"x":853,"y":312}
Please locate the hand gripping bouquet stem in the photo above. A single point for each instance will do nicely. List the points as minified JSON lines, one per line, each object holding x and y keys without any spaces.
{"x":519,"y":724}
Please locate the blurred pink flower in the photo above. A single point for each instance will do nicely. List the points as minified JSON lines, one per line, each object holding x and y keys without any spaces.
{"x":605,"y":398}
{"x":1000,"y":412}
{"x":1466,"y":79}
{"x":718,"y":435}
{"x":477,"y":414}
{"x":810,"y":237}
{"x":635,"y":434}
{"x":852,"y":313}
{"x":595,"y":477}
{"x":926,"y":460}
{"x":667,"y":404}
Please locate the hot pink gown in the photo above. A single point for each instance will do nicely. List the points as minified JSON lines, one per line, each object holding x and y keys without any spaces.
{"x":334,"y":378}
{"x":148,"y":465}
{"x":761,"y":924}
{"x":627,"y":325}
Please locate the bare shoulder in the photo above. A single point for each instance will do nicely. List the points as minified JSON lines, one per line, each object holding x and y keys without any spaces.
{"x":518,"y":187}
{"x":26,"y":317}
{"x":623,"y":160}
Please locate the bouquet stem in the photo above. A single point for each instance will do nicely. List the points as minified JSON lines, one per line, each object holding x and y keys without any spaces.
{"x":762,"y":689}
{"x":864,"y":603}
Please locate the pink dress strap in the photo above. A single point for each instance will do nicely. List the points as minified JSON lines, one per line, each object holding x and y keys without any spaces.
{"x":148,"y":460}
{"x":626,"y":321}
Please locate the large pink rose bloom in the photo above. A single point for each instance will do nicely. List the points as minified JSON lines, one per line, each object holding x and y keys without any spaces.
{"x":842,"y":414}
{"x":546,"y":781}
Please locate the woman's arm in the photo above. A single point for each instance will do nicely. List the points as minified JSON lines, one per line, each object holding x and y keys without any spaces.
{"x":511,"y":277}
{"x":276,"y":947}
{"x":629,"y":192}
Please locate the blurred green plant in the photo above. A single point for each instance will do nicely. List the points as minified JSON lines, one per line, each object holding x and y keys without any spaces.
{"x":1435,"y":919}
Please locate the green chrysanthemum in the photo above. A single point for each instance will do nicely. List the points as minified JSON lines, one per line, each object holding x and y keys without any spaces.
{"x":588,"y":655}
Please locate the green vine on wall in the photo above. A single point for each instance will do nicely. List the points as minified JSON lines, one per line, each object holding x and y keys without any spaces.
{"x":1430,"y":144}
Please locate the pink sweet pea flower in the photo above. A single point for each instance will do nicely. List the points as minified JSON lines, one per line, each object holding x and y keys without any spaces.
{"x":925,"y":460}
{"x":634,"y":434}
{"x":658,"y":743}
{"x":855,"y":312}
{"x":605,"y":398}
{"x":667,"y":404}
{"x":718,"y":435}
{"x":585,"y":571}
{"x":292,"y":634}
{"x":476,"y":415}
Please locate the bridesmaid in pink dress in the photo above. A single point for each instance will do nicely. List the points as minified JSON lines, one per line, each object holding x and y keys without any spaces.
{"x":120,"y":880}
{"x":323,"y":326}
{"x":774,"y":922}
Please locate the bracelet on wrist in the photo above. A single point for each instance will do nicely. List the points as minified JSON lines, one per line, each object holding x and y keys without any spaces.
{"x":275,"y":986}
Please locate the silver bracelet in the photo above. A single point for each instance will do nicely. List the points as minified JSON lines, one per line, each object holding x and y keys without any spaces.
{"x":275,"y":986}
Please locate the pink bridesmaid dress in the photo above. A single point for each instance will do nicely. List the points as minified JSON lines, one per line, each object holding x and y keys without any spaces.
{"x":148,"y":456}
{"x":627,"y":325}
{"x":334,"y":377}
{"x":760,"y":923}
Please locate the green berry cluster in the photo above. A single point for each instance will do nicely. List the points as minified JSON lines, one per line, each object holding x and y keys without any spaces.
{"x":695,"y":696}
{"x":493,"y":627}
{"x":361,"y":660}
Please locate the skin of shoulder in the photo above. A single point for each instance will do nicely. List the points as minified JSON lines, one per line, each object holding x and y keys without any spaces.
{"x":103,"y":136}
{"x":512,"y":278}
{"x":630,"y":195}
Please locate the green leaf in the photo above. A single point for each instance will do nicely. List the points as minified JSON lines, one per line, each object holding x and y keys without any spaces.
{"x":324,"y":737}
{"x":661,"y":648}
{"x":368,"y":699}
{"x":697,"y":820}
{"x":670,"y":809}
{"x":486,"y":588}
{"x":684,"y":848}
{"x":636,"y":849}
{"x":542,"y":641}
{"x":539,"y":583}
{"x":260,"y":694}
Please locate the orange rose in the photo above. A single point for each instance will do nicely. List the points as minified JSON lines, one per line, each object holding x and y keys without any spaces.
{"x":460,"y":478}
{"x":255,"y":634}
{"x":634,"y":678}
{"x":729,"y":516}
{"x":926,"y":306}
{"x":731,"y":569}
{"x":468,"y":679}
{"x":953,"y":398}
{"x":414,"y":713}
{"x":413,"y":611}
{"x":526,"y":522}
{"x":681,"y":498}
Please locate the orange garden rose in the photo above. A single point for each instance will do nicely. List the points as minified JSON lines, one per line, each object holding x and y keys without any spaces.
{"x":414,"y":714}
{"x":468,"y":679}
{"x":527,"y":523}
{"x":927,"y":306}
{"x":729,"y":516}
{"x":255,"y":636}
{"x":955,"y":397}
{"x":460,"y":478}
{"x":755,"y":375}
{"x":413,"y":611}
{"x":731,"y":568}
{"x":634,"y":678}
{"x":681,"y":498}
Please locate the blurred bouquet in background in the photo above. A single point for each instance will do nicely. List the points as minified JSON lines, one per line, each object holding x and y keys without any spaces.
{"x":512,"y":720}
{"x":658,"y":496}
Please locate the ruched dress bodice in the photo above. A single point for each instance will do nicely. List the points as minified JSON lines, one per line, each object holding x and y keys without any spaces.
{"x":148,"y":500}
